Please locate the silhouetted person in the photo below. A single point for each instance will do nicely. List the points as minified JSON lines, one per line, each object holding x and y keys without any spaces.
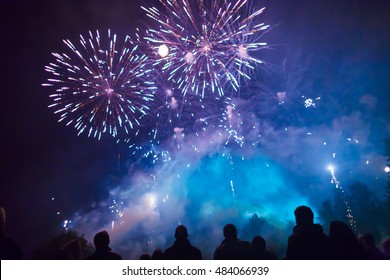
{"x":368,"y":242}
{"x":308,"y":241}
{"x":231,"y":247}
{"x":182,"y":248}
{"x":386,"y":248}
{"x":259,"y":251}
{"x":343,"y":243}
{"x":9,"y":249}
{"x":103,"y":251}
{"x":144,"y":257}
{"x":157,"y":255}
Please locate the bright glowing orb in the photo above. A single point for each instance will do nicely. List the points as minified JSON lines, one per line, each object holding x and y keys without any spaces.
{"x":387,"y":169}
{"x":330,"y":168}
{"x":163,"y":50}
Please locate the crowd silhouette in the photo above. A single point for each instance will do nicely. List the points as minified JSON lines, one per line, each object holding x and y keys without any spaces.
{"x":306,"y":242}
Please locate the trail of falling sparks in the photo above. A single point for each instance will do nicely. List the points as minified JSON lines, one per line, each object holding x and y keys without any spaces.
{"x":231,"y":163}
{"x":349,"y":215}
{"x":117,"y":210}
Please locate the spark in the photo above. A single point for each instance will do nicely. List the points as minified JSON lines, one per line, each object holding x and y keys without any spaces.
{"x":66,"y":224}
{"x":309,"y":102}
{"x":232,"y":188}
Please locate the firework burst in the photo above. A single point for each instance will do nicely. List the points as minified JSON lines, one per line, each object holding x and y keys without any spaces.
{"x":205,"y":45}
{"x":101,"y":86}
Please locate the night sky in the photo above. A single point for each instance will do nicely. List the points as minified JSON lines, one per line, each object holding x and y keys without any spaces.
{"x":335,"y":52}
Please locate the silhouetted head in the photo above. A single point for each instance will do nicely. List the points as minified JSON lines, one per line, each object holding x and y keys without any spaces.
{"x":181,"y":232}
{"x":101,"y":240}
{"x":303,"y":215}
{"x":341,"y":232}
{"x":367,"y":240}
{"x":230,"y":231}
{"x":258,"y":243}
{"x":157,"y":255}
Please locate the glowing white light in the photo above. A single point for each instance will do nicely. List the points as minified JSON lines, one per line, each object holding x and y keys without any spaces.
{"x":163,"y":50}
{"x":281,"y":97}
{"x":109,"y":91}
{"x":229,"y":111}
{"x":173,"y":104}
{"x":309,"y":103}
{"x":206,"y":48}
{"x":189,"y":57}
{"x":169,"y":92}
{"x":149,"y":200}
{"x":387,"y":169}
{"x":178,"y":133}
{"x":232,"y":187}
{"x":242,"y":52}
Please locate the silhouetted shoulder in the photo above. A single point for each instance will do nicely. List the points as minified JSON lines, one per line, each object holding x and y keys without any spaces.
{"x":108,"y":255}
{"x":231,"y":247}
{"x":182,"y":250}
